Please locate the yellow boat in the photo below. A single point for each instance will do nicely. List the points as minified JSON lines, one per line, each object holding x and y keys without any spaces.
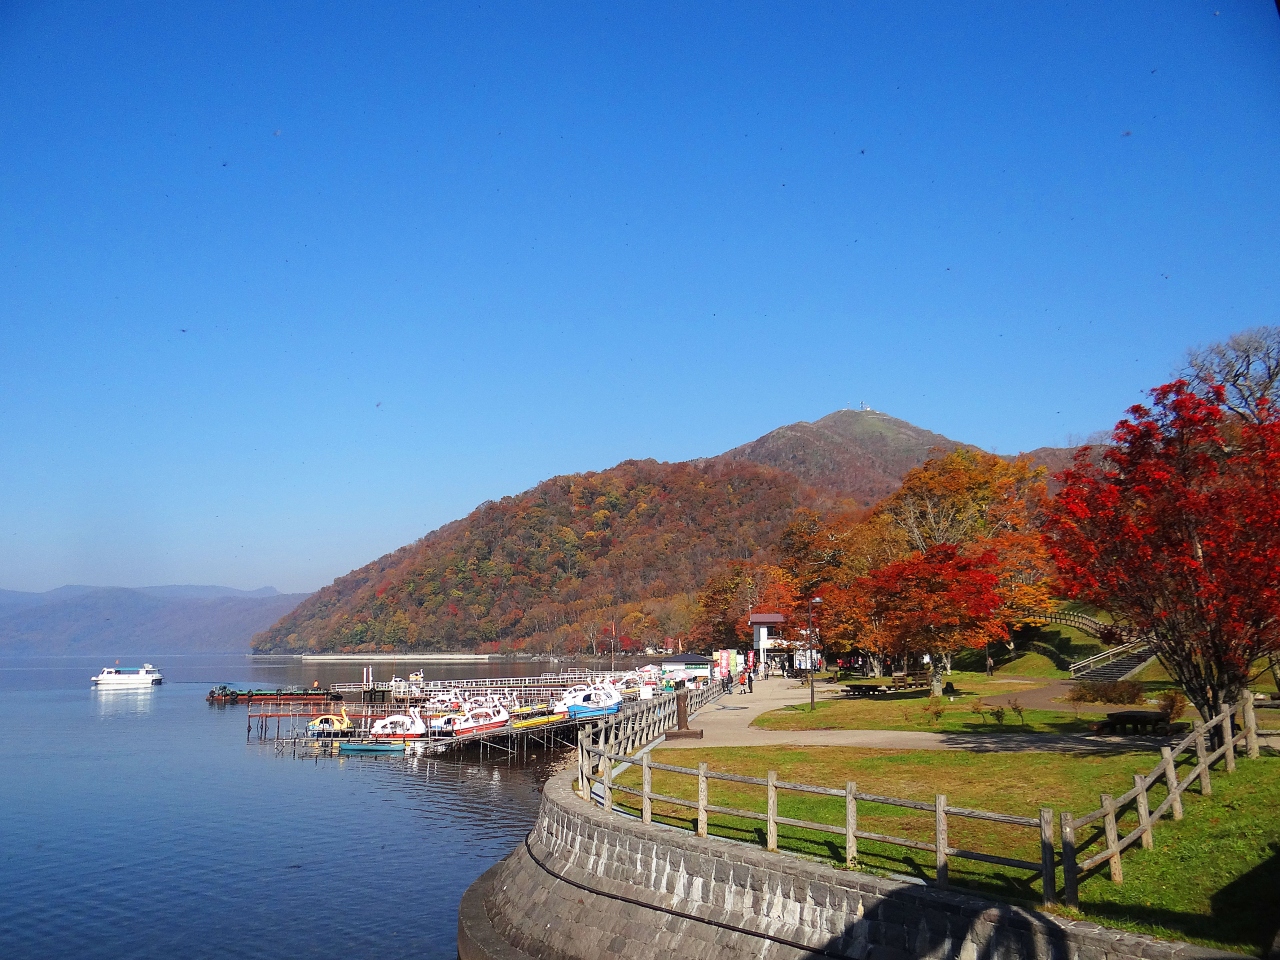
{"x":331,"y":725}
{"x":532,"y":708}
{"x":536,"y":721}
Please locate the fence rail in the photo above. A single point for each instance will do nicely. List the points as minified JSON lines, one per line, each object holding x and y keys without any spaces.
{"x":1221,"y":728}
{"x":850,"y":830}
{"x":610,"y":745}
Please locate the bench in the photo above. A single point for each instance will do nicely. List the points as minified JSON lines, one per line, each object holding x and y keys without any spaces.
{"x":910,"y":681}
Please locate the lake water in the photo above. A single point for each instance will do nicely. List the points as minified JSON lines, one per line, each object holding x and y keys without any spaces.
{"x":143,"y":825}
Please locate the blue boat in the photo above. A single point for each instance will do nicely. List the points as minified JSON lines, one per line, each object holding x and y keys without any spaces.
{"x":583,"y":711}
{"x":372,"y":746}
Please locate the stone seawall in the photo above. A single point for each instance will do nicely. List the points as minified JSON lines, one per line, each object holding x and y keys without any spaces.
{"x":587,"y":884}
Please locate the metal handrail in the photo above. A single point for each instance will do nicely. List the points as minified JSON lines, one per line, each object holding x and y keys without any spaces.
{"x":1106,"y":656}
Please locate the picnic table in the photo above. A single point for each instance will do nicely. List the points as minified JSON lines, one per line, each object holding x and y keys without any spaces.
{"x":1138,"y":722}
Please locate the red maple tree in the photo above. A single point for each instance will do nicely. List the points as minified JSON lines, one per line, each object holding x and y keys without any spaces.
{"x":938,"y":601}
{"x":1175,"y":530}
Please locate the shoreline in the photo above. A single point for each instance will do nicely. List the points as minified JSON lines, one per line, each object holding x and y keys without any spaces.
{"x":393,"y":657}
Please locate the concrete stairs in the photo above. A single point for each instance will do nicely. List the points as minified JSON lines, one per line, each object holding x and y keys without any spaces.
{"x":1121,"y":668}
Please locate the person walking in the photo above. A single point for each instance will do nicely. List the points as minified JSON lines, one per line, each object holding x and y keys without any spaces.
{"x":750,"y":685}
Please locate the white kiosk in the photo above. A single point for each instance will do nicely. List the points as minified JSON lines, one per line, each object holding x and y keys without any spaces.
{"x":766,"y":630}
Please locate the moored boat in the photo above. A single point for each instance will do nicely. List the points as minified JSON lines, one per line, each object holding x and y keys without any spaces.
{"x":227,"y":694}
{"x":478,"y":720}
{"x":143,"y":676}
{"x":331,"y":725}
{"x":596,"y":700}
{"x":400,"y":727}
{"x":372,"y":746}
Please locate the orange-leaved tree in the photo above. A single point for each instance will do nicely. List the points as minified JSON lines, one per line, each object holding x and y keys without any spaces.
{"x":982,"y":504}
{"x":729,"y":598}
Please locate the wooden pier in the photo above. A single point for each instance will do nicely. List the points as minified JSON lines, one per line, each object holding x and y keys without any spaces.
{"x":285,"y":726}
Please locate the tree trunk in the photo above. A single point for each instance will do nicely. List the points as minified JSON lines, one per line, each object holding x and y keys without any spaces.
{"x":935,"y":666}
{"x":946,"y":658}
{"x":877,"y":665}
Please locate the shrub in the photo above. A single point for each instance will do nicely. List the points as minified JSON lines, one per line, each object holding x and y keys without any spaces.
{"x":1106,"y":691}
{"x":1173,"y":704}
{"x":997,"y":714}
{"x":977,"y":708}
{"x":934,"y":709}
{"x":1016,"y":706}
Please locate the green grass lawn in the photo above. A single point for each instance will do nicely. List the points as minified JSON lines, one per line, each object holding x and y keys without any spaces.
{"x":1213,"y":878}
{"x":906,"y":710}
{"x":1031,"y":664}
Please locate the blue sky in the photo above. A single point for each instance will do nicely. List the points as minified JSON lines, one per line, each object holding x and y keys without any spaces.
{"x":283,"y":287}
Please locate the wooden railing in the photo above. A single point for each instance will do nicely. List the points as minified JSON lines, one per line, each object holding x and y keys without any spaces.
{"x":1165,"y":772}
{"x":850,"y":829}
{"x":613,"y":742}
{"x":636,"y":725}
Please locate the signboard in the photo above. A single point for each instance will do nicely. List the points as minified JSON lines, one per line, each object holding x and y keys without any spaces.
{"x":751,"y":661}
{"x":725,"y":666}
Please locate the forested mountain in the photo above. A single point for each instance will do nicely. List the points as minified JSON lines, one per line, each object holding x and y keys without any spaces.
{"x":145,"y":620}
{"x":859,"y":454}
{"x":620,"y":553}
{"x":628,"y":545}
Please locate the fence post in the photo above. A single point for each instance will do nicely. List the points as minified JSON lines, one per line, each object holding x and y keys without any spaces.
{"x":702,"y":799}
{"x":1070,"y":885}
{"x":1228,"y":740}
{"x":1113,"y":837}
{"x":646,"y":790}
{"x":1250,"y":726}
{"x":1144,"y":811}
{"x":1171,"y":780}
{"x":940,"y":837}
{"x":1206,"y":788}
{"x":1048,"y":876}
{"x":582,"y":770}
{"x":771,"y":813}
{"x":850,"y":824}
{"x":608,"y":784}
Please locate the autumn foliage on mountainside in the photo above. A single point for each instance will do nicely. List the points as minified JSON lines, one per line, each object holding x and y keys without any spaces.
{"x":1176,"y":532}
{"x":574,"y":564}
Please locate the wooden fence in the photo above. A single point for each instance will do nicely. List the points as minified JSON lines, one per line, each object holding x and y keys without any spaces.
{"x":850,"y":829}
{"x":635,"y":725}
{"x":613,"y":741}
{"x":1166,"y":773}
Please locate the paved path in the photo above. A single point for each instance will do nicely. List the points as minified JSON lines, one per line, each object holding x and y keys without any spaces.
{"x":727,"y":723}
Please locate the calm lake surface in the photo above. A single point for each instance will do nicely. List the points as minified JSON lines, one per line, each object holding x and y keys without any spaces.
{"x":141,"y":824}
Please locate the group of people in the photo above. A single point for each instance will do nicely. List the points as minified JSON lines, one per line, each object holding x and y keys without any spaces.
{"x":745,"y":682}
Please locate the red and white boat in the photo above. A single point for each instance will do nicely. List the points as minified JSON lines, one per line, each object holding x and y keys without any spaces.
{"x":398,"y":726}
{"x":476,"y":719}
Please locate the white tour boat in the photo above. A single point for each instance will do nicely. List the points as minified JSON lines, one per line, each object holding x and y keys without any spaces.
{"x":143,"y":676}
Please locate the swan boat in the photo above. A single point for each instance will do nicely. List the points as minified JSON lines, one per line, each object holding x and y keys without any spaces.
{"x":143,"y":676}
{"x":477,"y":719}
{"x":331,"y":725}
{"x":597,"y":700}
{"x":400,"y":727}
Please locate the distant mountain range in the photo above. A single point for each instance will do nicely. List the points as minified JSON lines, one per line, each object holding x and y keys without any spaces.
{"x":145,"y":620}
{"x":631,"y":544}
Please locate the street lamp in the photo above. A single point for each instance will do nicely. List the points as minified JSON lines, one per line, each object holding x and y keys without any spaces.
{"x":809,"y":637}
